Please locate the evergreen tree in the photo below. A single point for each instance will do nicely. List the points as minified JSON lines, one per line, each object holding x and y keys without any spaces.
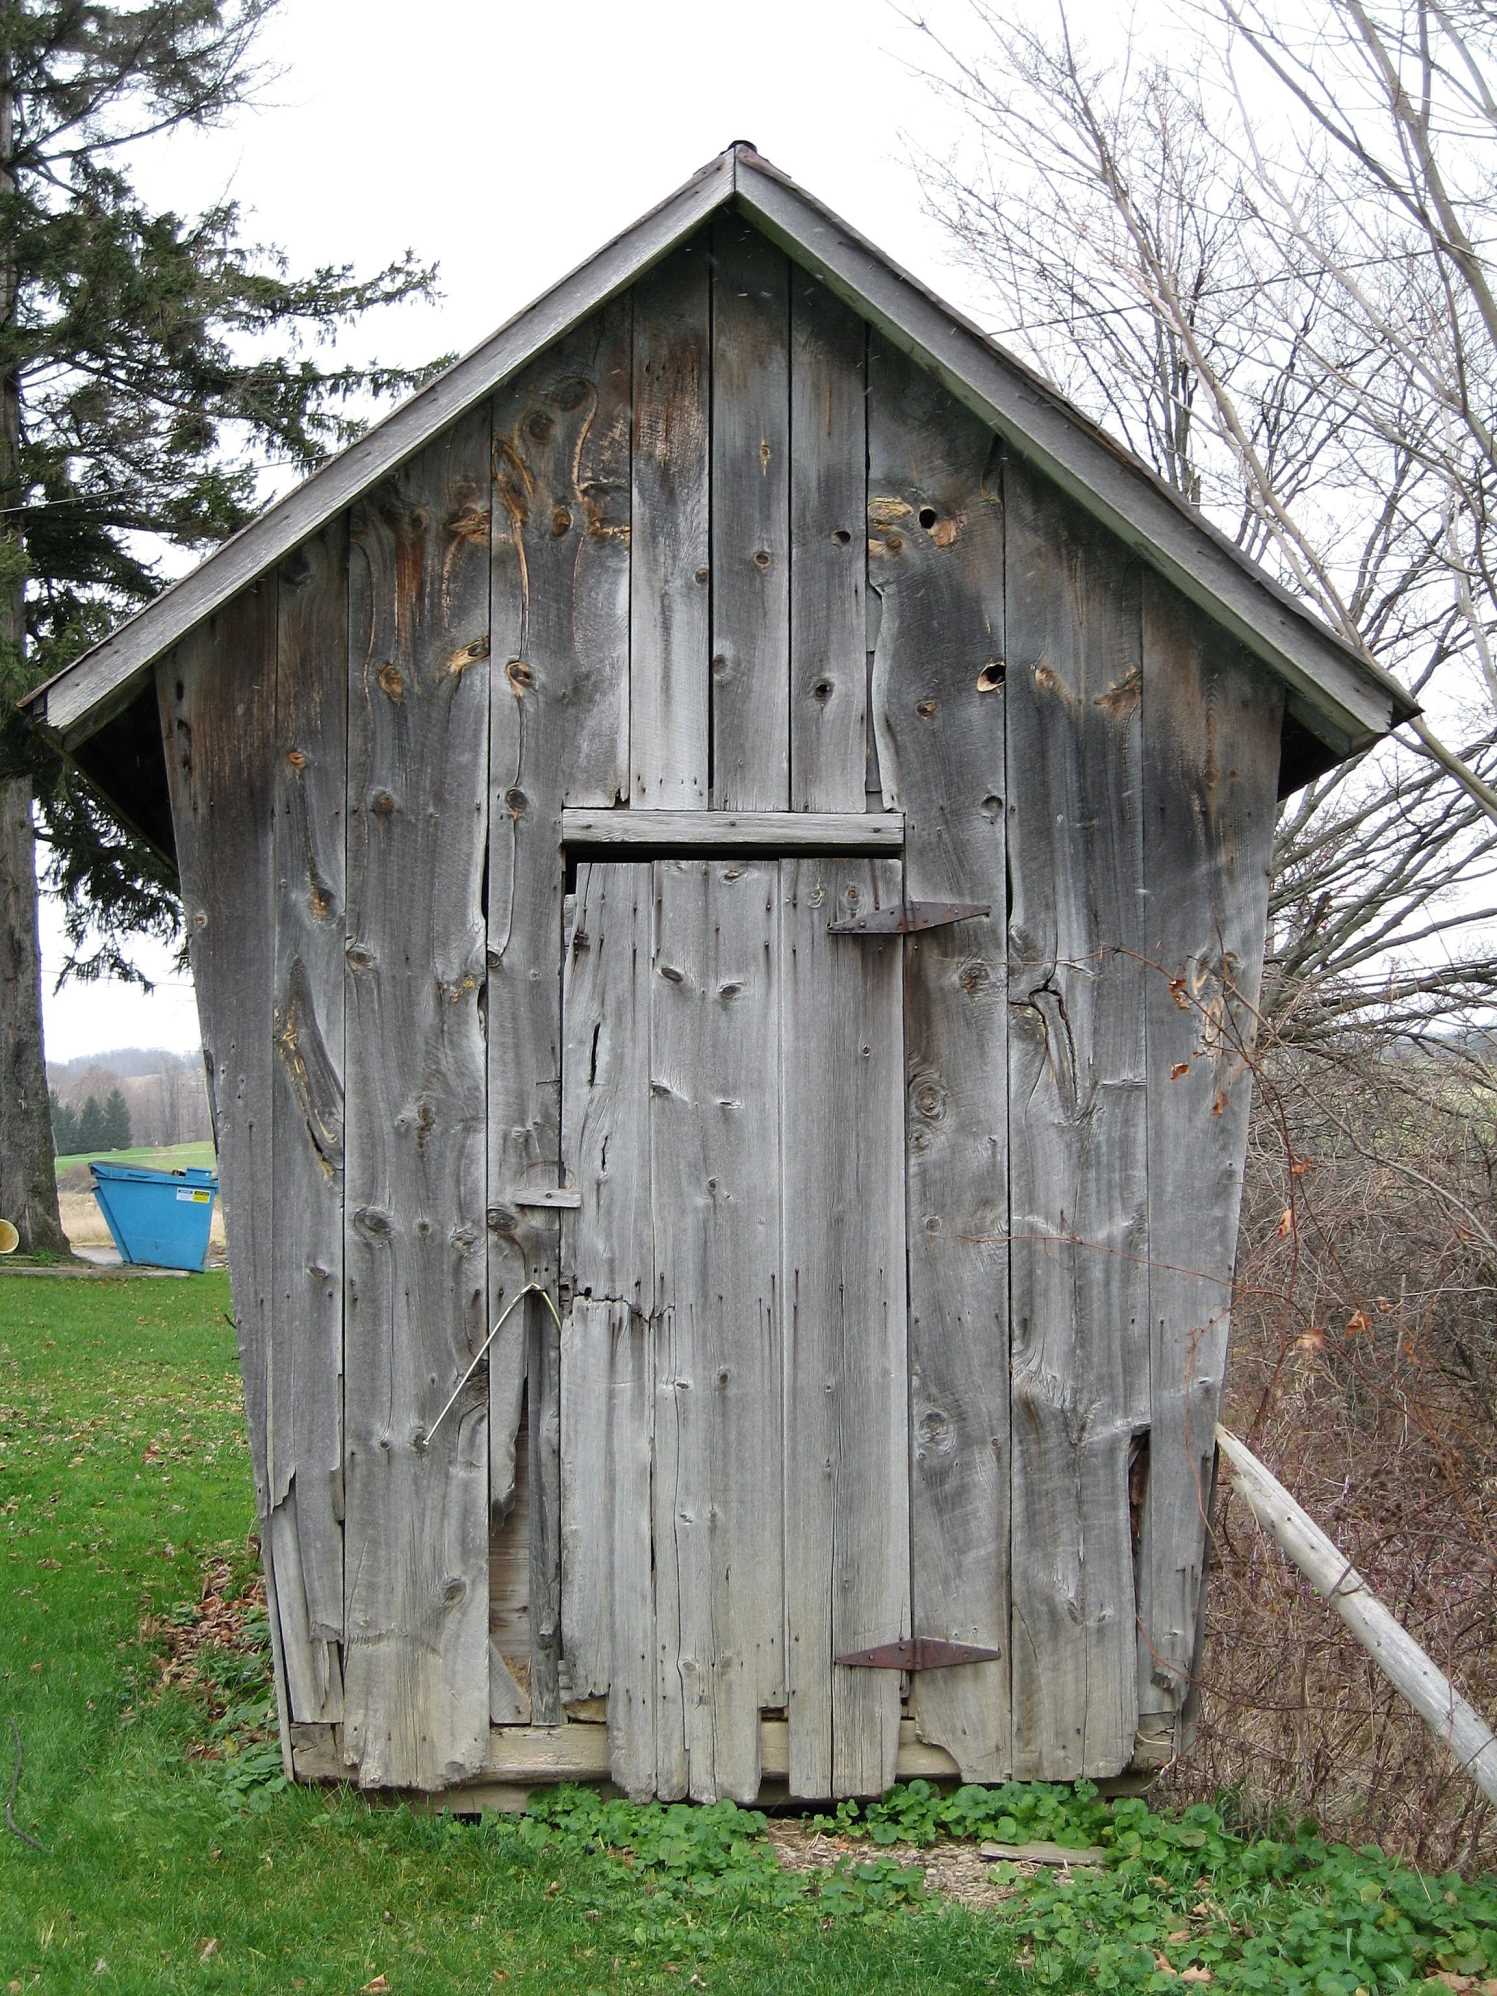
{"x":92,"y":1135}
{"x":64,"y":1126}
{"x":116,"y":1121}
{"x":149,"y":362}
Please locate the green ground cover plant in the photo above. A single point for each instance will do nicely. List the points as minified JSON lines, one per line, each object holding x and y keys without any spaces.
{"x":154,"y":1845}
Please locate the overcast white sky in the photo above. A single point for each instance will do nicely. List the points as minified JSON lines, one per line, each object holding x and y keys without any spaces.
{"x":507,"y":142}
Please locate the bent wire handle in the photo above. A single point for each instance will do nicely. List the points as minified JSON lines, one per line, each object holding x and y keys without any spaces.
{"x":531,"y":1288}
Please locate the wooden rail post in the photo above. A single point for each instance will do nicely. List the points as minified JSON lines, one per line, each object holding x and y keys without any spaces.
{"x":1456,"y":1724}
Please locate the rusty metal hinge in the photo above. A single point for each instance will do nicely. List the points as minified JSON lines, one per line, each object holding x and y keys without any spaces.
{"x":917,"y":1653}
{"x":907,"y":916}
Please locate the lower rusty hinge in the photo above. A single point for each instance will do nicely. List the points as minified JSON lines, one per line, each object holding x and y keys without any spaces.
{"x":906,"y":916}
{"x":917,"y":1653}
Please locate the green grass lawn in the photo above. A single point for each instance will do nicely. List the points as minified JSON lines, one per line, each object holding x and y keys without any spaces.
{"x":123,"y":1471}
{"x":166,"y":1157}
{"x":147,"y":1861}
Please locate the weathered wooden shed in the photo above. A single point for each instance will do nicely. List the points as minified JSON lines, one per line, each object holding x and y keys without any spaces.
{"x":738,"y":807}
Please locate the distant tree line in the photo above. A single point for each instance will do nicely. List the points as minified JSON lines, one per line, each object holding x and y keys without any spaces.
{"x":92,"y":1126}
{"x":164,"y":1092}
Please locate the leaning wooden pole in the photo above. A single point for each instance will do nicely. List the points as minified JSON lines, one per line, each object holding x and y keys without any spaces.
{"x":1456,"y":1724}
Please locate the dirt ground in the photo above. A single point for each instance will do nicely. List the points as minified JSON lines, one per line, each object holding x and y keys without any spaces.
{"x":956,"y":1870}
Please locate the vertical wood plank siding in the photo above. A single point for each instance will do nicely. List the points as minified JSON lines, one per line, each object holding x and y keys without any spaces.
{"x":713,"y":546}
{"x":670,"y":538}
{"x":416,"y":1675}
{"x":1077,"y":1126}
{"x":559,"y":736}
{"x":608,"y":1346}
{"x":715,"y":1201}
{"x":750,"y":677}
{"x":216,"y":692}
{"x":847,"y":1372}
{"x":935,"y":550}
{"x":306,"y":1246}
{"x":828,"y":552}
{"x":1210,"y":774}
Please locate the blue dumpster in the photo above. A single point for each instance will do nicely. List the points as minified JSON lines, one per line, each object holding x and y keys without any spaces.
{"x":158,"y":1218}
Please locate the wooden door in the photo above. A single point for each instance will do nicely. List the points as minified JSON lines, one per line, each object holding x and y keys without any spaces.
{"x":734,"y":1391}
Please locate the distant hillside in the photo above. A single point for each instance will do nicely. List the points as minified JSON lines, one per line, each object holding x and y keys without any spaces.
{"x":121,"y":1062}
{"x":166,"y":1093}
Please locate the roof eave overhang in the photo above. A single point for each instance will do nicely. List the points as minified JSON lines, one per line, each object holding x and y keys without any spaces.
{"x":1341,"y":699}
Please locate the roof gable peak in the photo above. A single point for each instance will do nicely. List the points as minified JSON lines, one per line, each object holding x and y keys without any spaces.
{"x":1339,"y":696}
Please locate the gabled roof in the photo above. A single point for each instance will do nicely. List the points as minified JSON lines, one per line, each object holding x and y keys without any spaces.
{"x":1335,"y":694}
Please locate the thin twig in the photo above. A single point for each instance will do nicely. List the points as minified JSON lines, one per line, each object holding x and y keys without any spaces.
{"x":10,"y":1795}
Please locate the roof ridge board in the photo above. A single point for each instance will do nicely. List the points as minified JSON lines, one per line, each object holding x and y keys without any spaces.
{"x":93,"y":685}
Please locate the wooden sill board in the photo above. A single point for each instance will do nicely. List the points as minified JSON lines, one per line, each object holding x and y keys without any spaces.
{"x":524,"y":1756}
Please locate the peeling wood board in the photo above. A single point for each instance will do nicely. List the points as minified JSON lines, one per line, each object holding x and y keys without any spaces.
{"x":1077,"y":1129}
{"x":219,"y":729}
{"x":1210,"y":771}
{"x":607,"y":1352}
{"x":769,"y":832}
{"x":939,"y":586}
{"x":847,"y":1559}
{"x":219,"y":733}
{"x":670,"y":546}
{"x":559,"y":735}
{"x":750,"y":432}
{"x":217,"y":697}
{"x":416,"y":1697}
{"x":714,"y":1173}
{"x":306,"y":1247}
{"x":828,"y":540}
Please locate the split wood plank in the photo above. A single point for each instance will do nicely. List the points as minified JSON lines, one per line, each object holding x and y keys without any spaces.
{"x":715,"y":1162}
{"x":416,"y":1679}
{"x":509,"y":1582}
{"x":607,"y":1351}
{"x":750,"y":651}
{"x":1078,"y":1176}
{"x":216,"y":694}
{"x":1211,"y":721}
{"x":669,"y":620}
{"x":828,"y":538}
{"x":847,"y":1549}
{"x":935,"y":541}
{"x":559,"y":734}
{"x":306,"y":1249}
{"x":771,"y":832}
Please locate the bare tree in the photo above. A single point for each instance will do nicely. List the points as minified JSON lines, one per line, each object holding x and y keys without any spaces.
{"x":1280,"y":303}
